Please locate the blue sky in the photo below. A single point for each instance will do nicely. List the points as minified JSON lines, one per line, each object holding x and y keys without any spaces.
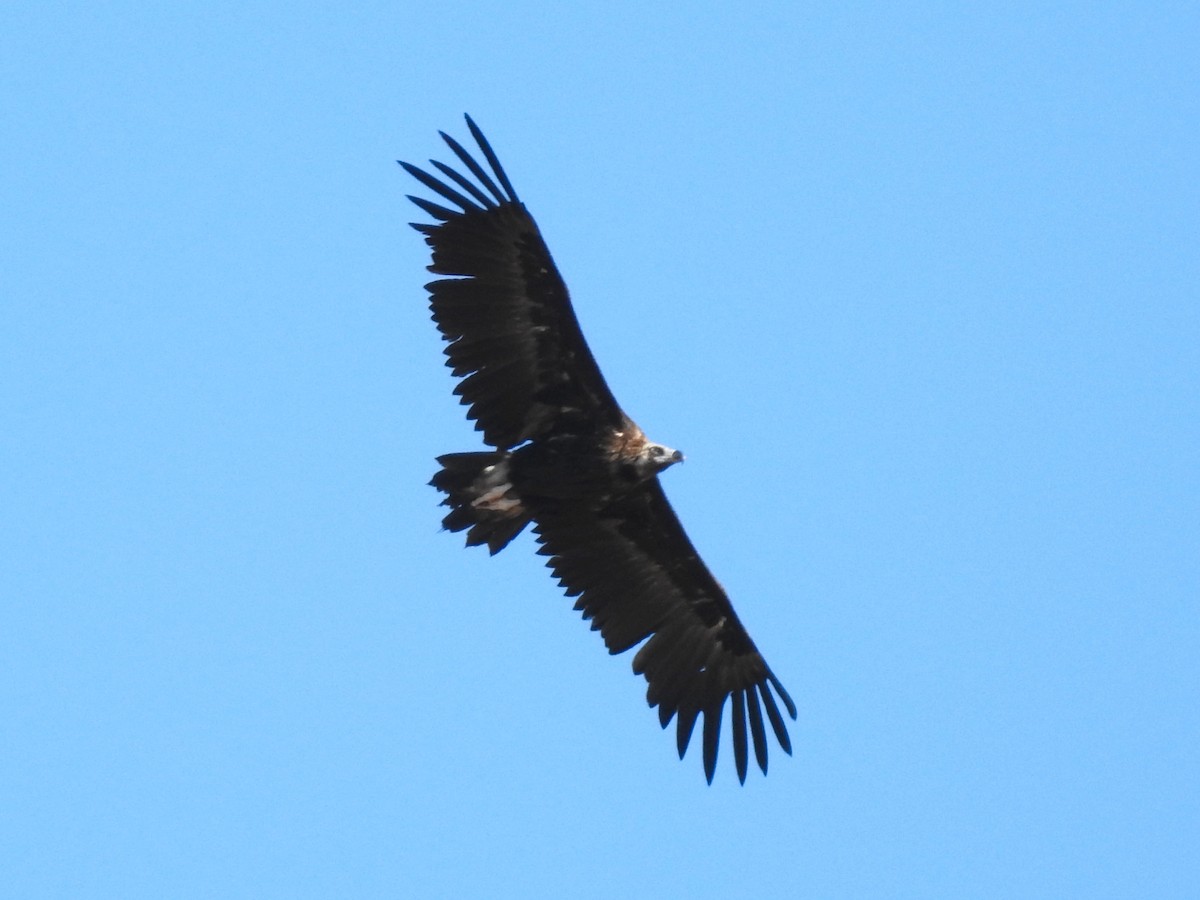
{"x":913,"y":286}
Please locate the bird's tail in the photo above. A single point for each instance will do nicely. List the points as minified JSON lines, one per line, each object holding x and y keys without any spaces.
{"x":481,"y":498}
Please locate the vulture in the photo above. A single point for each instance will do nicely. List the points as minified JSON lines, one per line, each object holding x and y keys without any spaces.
{"x":565,"y":459}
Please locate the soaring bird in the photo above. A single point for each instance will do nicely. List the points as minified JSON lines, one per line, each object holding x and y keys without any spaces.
{"x":565,"y":458}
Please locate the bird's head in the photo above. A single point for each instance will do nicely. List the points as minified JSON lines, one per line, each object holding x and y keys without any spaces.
{"x":653,"y":458}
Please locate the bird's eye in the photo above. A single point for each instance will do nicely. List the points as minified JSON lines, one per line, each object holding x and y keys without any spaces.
{"x":656,"y":451}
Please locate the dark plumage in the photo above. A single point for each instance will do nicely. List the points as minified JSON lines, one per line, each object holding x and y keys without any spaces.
{"x":567,"y":459}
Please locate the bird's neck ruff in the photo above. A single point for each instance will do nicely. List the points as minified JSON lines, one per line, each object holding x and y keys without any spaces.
{"x":628,"y":443}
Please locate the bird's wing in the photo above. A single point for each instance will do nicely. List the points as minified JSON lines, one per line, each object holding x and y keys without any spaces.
{"x":503,"y":308}
{"x":637,"y":576}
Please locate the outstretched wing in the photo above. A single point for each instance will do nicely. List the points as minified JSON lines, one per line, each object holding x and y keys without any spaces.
{"x":637,"y":576}
{"x":503,"y":307}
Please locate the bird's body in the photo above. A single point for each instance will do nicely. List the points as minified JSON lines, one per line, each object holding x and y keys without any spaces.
{"x":566,"y":459}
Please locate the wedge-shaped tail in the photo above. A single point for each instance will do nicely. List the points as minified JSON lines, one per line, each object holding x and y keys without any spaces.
{"x":481,"y":498}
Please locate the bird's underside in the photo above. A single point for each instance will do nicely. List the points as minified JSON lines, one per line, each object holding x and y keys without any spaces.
{"x":565,"y":460}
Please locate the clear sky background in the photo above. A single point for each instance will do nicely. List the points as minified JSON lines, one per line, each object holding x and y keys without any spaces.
{"x":915,"y":287}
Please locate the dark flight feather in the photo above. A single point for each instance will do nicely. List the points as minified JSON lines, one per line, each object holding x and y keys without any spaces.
{"x":532,"y":387}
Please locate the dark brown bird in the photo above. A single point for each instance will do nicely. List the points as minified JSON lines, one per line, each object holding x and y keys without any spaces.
{"x":568,"y":459}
